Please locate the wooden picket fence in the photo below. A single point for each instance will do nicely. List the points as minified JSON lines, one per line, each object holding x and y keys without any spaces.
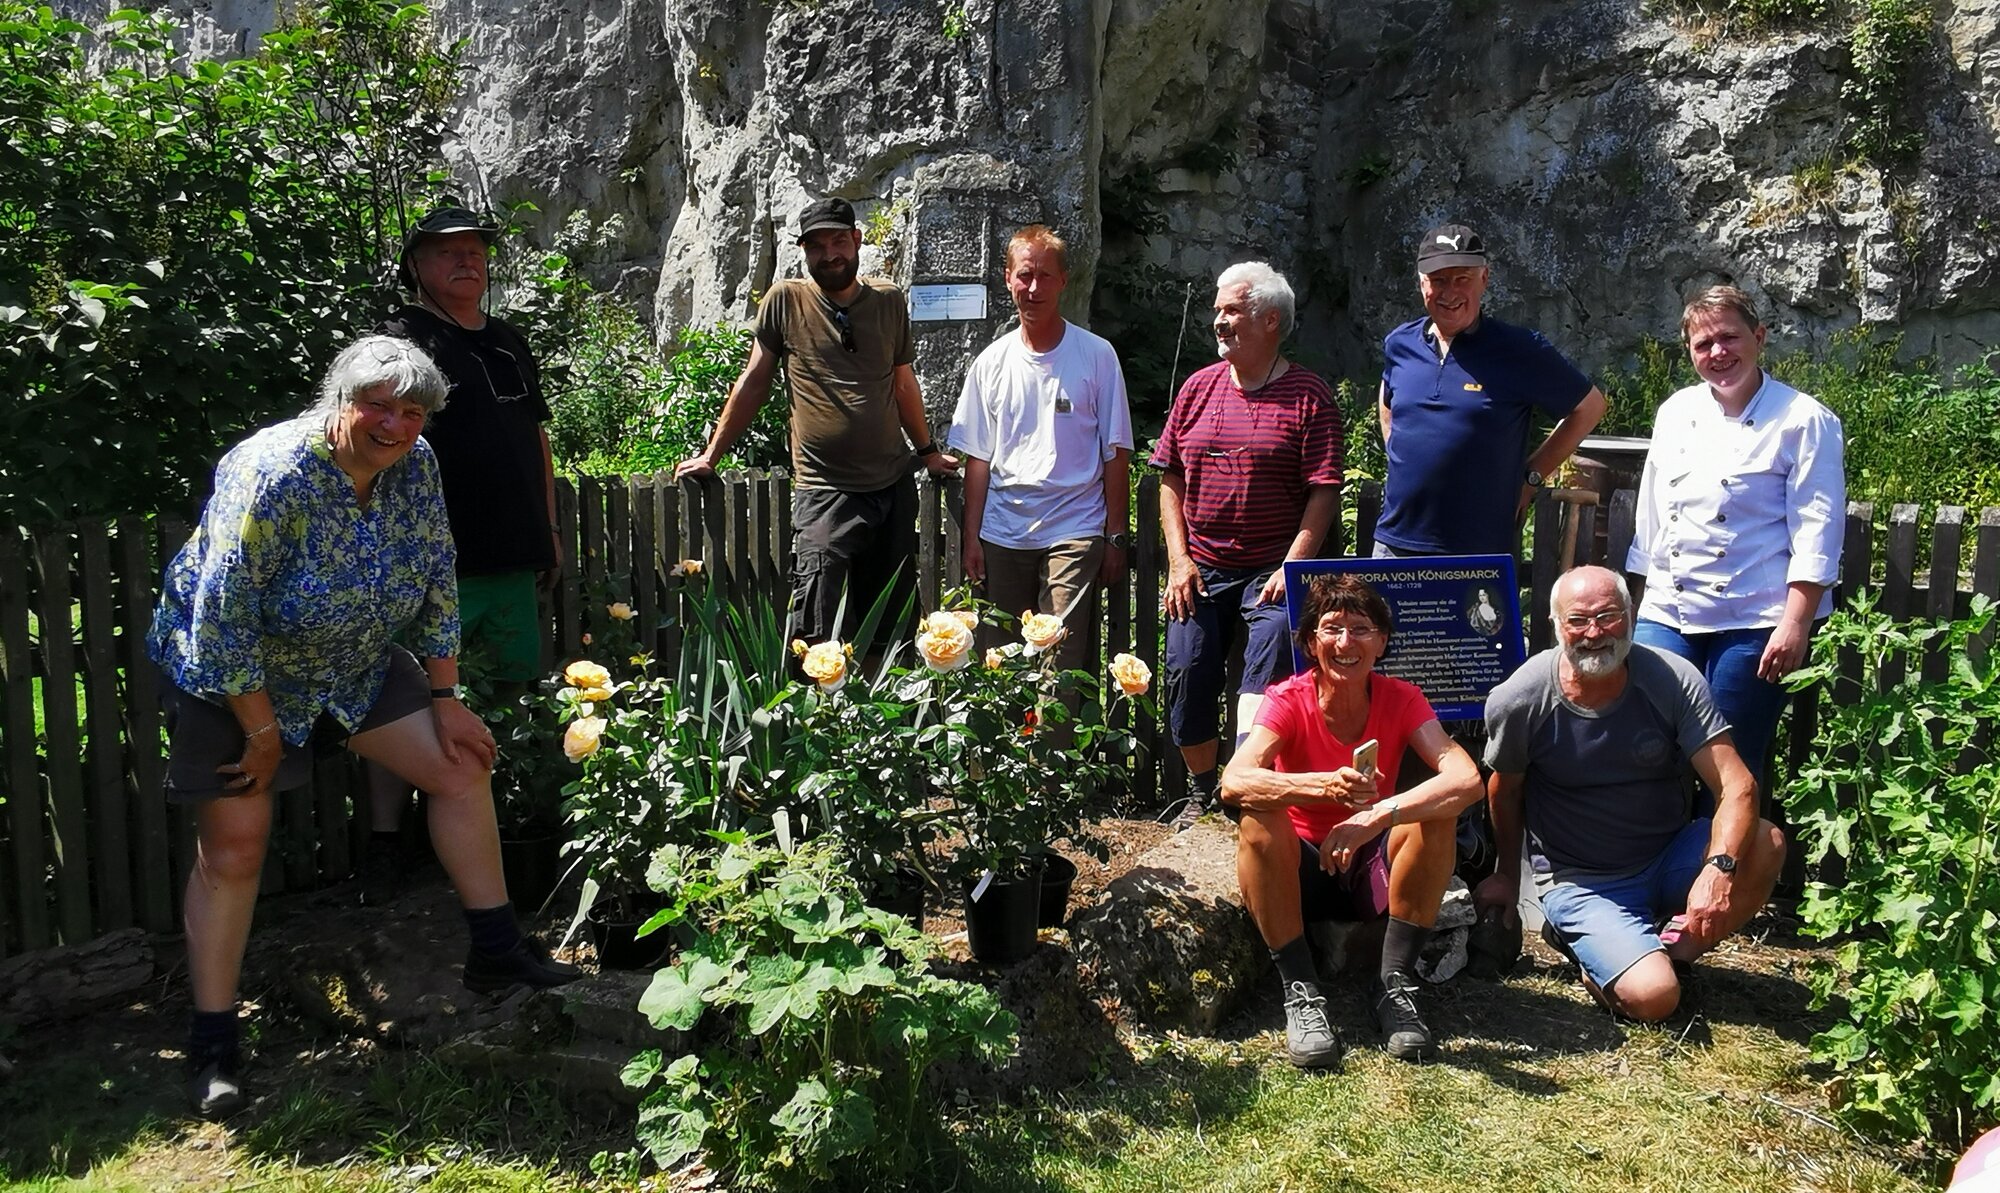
{"x":88,"y":846}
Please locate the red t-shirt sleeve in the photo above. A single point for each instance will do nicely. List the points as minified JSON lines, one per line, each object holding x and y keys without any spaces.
{"x":1280,"y":714}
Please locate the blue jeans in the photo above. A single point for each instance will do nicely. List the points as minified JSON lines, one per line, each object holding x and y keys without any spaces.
{"x":1727,"y":659}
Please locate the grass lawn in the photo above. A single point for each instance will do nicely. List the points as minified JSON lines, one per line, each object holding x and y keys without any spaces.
{"x":1535,"y":1090}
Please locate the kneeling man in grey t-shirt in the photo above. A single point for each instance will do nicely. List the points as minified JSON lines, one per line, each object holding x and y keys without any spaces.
{"x":1593,"y":740}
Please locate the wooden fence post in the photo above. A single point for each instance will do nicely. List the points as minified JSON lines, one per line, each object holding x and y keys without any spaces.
{"x":138,"y":576}
{"x":105,"y":803}
{"x":27,"y":860}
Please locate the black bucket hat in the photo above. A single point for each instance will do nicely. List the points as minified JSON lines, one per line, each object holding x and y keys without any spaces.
{"x":442,"y":221}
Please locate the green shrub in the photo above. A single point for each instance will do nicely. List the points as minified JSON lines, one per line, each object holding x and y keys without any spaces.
{"x":1904,"y":785}
{"x":185,"y":245}
{"x":816,"y":1020}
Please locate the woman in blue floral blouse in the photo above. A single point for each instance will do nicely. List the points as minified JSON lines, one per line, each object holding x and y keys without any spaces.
{"x":325,"y":539}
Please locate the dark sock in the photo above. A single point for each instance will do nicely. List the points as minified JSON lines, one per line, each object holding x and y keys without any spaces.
{"x":1295,"y":963}
{"x":1401,"y":945}
{"x":494,"y":930}
{"x":384,"y":842}
{"x":1203,"y":786}
{"x":212,"y":1034}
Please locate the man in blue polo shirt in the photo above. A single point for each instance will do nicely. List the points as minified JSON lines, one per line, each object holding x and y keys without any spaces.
{"x":1460,"y":391}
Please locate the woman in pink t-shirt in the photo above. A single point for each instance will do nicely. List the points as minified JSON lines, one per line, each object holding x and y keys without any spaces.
{"x":1319,"y":839}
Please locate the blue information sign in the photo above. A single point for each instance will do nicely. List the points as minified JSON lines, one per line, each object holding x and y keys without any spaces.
{"x":1458,"y":622}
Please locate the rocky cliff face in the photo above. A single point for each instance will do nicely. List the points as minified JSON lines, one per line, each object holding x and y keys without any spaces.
{"x":1614,"y":158}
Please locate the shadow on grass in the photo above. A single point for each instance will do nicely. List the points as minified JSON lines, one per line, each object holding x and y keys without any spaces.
{"x":995,"y":1148}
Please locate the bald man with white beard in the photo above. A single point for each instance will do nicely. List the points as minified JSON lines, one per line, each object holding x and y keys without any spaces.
{"x":1591,"y":744}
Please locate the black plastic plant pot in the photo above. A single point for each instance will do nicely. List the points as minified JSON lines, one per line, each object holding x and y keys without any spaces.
{"x":619,"y":946}
{"x":1000,"y":924}
{"x":1058,"y":875}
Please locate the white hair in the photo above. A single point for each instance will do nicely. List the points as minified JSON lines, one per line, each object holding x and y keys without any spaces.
{"x":1618,"y":581}
{"x":372,"y":361}
{"x":1268,"y":291}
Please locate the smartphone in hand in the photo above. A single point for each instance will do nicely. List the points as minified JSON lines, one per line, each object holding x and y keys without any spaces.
{"x":1364,"y":756}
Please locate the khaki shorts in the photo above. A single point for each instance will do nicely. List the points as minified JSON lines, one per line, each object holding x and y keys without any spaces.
{"x":202,"y":735}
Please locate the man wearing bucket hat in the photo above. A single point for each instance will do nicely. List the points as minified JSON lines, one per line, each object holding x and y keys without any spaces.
{"x":493,"y":458}
{"x":857,"y":424}
{"x":1460,"y":390}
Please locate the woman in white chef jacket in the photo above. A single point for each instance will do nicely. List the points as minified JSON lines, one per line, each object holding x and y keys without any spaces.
{"x":1739,"y":522}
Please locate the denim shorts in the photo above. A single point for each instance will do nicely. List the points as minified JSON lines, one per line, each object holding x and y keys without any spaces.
{"x":1609,"y":922}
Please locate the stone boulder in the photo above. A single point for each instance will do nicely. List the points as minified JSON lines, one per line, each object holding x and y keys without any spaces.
{"x":1171,"y":938}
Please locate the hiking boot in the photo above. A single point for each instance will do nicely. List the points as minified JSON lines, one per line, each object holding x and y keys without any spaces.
{"x":1192,"y":809}
{"x":1404,"y":1035}
{"x":215,"y":1088}
{"x":526,"y":964}
{"x":1310,"y":1039}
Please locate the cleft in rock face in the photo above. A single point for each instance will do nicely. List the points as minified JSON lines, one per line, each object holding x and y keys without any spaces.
{"x":1171,"y":938}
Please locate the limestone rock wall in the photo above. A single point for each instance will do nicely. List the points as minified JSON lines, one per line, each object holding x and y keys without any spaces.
{"x":1614,"y":157}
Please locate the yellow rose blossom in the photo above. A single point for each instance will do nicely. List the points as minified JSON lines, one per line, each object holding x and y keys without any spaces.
{"x":994,"y":659}
{"x":1041,"y":631}
{"x":581,"y":739}
{"x":585,"y":674}
{"x":687,"y":567}
{"x":595,"y":694}
{"x":945,"y":642}
{"x":967,"y":617}
{"x":620,"y":610}
{"x":1132,"y":674}
{"x":826,"y":665}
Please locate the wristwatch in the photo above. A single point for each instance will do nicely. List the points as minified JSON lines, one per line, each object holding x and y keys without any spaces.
{"x":1121,"y":540}
{"x":1535,"y":480}
{"x":930,"y":448}
{"x":1723,"y":862}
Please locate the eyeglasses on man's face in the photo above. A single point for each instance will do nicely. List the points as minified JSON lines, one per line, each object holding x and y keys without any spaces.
{"x":1604,"y":620}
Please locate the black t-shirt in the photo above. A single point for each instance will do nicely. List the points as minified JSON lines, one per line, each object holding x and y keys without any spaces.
{"x":488,"y":441}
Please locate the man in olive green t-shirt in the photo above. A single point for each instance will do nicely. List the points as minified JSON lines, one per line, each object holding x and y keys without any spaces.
{"x":846,"y":345}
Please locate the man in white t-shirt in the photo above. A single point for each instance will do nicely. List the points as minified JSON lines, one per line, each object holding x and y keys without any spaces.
{"x":1046,"y":434}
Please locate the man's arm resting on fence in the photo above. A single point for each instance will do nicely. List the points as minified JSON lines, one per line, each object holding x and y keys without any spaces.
{"x":1562,"y":440}
{"x":746,"y":398}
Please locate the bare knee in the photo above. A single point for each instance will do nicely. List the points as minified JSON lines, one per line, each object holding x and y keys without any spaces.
{"x":233,"y":858}
{"x":1649,"y":991}
{"x":1266,"y":840}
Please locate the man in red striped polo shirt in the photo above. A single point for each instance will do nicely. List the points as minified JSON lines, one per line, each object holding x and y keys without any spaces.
{"x":1251,"y":456}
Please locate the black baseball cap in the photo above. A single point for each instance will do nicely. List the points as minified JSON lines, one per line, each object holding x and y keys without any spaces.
{"x":1450,"y":246}
{"x":826,"y":213}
